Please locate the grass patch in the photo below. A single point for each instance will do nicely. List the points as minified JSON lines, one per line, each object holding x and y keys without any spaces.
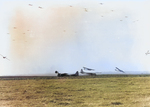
{"x":76,"y":92}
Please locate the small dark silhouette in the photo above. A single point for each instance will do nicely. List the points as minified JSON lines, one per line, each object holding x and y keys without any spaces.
{"x":4,"y":57}
{"x":66,"y":74}
{"x":101,"y":3}
{"x":30,"y":5}
{"x":85,"y":10}
{"x":147,"y":52}
{"x":15,"y":28}
{"x":40,"y":7}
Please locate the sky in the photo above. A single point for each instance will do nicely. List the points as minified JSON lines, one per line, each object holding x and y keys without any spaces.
{"x":42,"y":36}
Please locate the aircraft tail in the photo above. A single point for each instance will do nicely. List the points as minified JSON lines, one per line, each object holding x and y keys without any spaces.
{"x":77,"y":73}
{"x":82,"y":71}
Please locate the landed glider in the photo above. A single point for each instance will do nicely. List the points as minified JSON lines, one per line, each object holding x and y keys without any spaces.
{"x":66,"y":74}
{"x":88,"y":73}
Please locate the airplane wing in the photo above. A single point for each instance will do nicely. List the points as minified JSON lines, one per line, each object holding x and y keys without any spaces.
{"x":85,"y":68}
{"x":2,"y":55}
{"x":88,"y":73}
{"x":91,"y":73}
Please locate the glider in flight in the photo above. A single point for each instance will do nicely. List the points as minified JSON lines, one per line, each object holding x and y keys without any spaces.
{"x":4,"y":57}
{"x":147,"y":52}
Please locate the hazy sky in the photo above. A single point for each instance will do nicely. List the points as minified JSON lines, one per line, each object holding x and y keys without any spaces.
{"x":41,"y":36}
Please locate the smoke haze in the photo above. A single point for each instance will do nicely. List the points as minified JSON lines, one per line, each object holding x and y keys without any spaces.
{"x":49,"y":36}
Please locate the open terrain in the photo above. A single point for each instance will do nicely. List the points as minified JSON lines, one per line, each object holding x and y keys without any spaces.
{"x":85,"y":91}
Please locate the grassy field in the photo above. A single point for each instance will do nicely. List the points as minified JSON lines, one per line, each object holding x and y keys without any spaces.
{"x":132,"y":91}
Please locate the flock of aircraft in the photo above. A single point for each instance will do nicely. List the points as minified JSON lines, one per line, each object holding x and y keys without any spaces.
{"x":84,"y":71}
{"x":77,"y":73}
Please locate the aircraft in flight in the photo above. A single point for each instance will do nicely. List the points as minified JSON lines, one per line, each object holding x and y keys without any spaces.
{"x":147,"y":52}
{"x":66,"y":74}
{"x":88,"y":73}
{"x":4,"y":57}
{"x":40,"y":7}
{"x":117,"y":69}
{"x":30,"y":5}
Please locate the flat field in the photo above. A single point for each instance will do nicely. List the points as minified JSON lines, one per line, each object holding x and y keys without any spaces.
{"x":97,"y":91}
